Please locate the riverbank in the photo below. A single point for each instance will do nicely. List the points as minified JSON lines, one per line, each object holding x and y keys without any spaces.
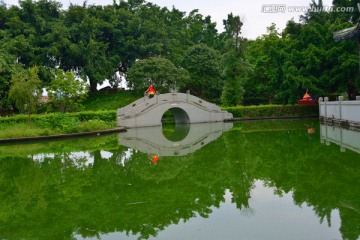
{"x":58,"y":136}
{"x":57,"y":125}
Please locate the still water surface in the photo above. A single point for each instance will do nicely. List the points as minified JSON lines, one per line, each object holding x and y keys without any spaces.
{"x":251,"y":180}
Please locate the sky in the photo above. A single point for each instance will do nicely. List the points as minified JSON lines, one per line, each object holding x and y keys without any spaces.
{"x":253,"y":13}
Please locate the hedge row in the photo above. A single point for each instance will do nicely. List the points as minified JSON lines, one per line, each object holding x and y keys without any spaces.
{"x":273,"y":111}
{"x":106,"y":116}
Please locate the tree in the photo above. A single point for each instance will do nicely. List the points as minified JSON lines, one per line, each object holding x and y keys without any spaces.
{"x":25,"y":90}
{"x":8,"y":66}
{"x":235,"y":67}
{"x":201,"y":30}
{"x":203,"y":65}
{"x":232,"y":27}
{"x":266,"y":54}
{"x":159,"y":71}
{"x":65,"y":92}
{"x":235,"y":70}
{"x":346,"y":16}
{"x":88,"y":50}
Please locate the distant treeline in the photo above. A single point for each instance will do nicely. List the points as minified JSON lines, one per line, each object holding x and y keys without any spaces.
{"x":145,"y":43}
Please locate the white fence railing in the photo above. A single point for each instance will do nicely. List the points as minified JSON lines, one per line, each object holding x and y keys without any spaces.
{"x":340,"y":110}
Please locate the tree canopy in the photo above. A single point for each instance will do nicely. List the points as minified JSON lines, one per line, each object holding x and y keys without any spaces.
{"x":158,"y":71}
{"x":104,"y":43}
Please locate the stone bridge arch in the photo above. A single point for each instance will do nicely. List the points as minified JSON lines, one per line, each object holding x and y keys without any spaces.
{"x":186,"y":108}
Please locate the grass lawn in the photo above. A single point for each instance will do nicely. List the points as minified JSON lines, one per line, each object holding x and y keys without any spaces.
{"x":17,"y":130}
{"x":109,"y":101}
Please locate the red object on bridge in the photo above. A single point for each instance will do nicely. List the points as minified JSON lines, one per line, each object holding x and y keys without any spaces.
{"x":307,"y":100}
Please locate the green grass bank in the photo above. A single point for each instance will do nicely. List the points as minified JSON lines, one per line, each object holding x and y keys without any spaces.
{"x":100,"y":114}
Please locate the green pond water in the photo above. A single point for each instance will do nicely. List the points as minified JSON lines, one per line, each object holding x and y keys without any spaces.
{"x":248,"y":180}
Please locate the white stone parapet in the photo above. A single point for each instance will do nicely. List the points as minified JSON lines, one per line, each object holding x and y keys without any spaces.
{"x":186,"y":108}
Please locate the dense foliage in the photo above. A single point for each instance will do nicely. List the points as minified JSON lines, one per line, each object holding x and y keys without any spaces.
{"x":180,"y":50}
{"x":56,"y":123}
{"x":305,"y":56}
{"x":65,"y":92}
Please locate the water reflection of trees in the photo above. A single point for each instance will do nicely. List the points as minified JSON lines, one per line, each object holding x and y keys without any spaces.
{"x":318,"y":176}
{"x":62,"y":195}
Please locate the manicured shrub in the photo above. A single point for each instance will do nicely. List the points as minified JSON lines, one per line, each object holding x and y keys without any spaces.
{"x":273,"y":111}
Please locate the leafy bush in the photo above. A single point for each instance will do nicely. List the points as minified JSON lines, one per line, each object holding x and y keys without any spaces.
{"x":255,"y":101}
{"x":54,"y":119}
{"x":56,"y":123}
{"x":65,"y":92}
{"x":20,"y":118}
{"x":93,"y":125}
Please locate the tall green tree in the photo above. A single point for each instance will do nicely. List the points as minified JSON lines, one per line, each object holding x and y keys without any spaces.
{"x":203,"y":65}
{"x":159,"y":71}
{"x":8,"y":67}
{"x":201,"y":30}
{"x":234,"y":64}
{"x":350,"y":16}
{"x":65,"y":92}
{"x":265,"y":54}
{"x":25,"y":90}
{"x":232,"y":26}
{"x":236,"y":70}
{"x":88,"y":50}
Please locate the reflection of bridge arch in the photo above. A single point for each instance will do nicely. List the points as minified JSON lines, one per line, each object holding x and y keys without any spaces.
{"x":151,"y":139}
{"x":186,"y":109}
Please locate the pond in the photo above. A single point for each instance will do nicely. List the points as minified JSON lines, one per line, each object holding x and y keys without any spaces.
{"x":285,"y":179}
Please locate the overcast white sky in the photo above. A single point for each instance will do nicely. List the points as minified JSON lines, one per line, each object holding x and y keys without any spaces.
{"x":255,"y":21}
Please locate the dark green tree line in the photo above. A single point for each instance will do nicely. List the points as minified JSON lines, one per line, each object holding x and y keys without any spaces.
{"x":305,"y":56}
{"x":102,"y":43}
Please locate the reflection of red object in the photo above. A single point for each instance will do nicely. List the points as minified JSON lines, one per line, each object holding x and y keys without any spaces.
{"x":155,"y":158}
{"x":311,"y":130}
{"x":307,"y":100}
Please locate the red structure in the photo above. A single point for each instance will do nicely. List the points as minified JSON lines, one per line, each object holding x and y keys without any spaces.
{"x":307,"y":100}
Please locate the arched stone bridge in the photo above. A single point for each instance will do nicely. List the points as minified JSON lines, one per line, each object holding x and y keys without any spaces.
{"x":185,"y":107}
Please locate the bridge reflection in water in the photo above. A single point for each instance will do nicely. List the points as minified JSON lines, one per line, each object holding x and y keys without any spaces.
{"x":346,"y":138}
{"x":151,"y":140}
